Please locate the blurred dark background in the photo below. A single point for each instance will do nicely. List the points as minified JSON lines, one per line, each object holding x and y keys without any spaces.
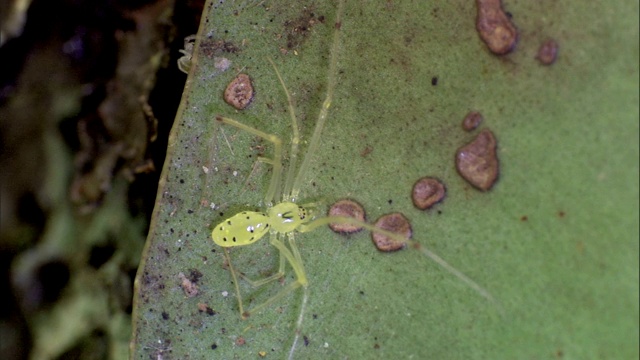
{"x":88,"y":93}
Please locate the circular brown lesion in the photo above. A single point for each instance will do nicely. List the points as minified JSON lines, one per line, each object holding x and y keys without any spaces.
{"x":477,"y":162}
{"x":239,"y":92}
{"x":395,"y":223}
{"x":347,"y":208}
{"x":471,"y":121}
{"x":495,"y":27}
{"x":548,"y":52}
{"x":427,"y":192}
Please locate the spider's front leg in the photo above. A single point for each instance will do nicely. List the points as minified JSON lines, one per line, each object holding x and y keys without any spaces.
{"x":274,"y":186}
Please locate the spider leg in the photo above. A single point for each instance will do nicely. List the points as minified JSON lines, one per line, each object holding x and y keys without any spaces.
{"x":324,"y":110}
{"x":274,"y":186}
{"x":412,"y":243}
{"x":293,"y":258}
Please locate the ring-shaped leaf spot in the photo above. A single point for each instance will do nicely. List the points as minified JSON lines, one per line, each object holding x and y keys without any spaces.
{"x":548,"y":52}
{"x":471,"y":121}
{"x":495,"y":27}
{"x":477,"y":162}
{"x":395,"y":223}
{"x":427,"y":192}
{"x":239,"y":92}
{"x":348,"y":208}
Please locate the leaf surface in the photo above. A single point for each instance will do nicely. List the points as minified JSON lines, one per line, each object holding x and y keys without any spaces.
{"x":555,"y":241}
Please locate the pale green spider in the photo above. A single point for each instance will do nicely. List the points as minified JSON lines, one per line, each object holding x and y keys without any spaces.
{"x":286,"y":217}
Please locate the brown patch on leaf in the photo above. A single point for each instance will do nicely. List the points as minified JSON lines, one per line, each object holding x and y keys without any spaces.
{"x":548,"y":52}
{"x":477,"y":162}
{"x":495,"y":27}
{"x":211,"y":48}
{"x":298,"y":29}
{"x":189,"y":287}
{"x":427,"y":192}
{"x":239,"y":92}
{"x":204,"y":308}
{"x":471,"y":121}
{"x":348,"y":208}
{"x":395,"y":223}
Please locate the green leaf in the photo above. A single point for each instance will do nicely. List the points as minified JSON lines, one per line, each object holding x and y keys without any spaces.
{"x":555,"y":241}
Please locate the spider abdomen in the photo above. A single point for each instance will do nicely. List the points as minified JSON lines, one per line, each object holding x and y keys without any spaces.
{"x":241,"y":229}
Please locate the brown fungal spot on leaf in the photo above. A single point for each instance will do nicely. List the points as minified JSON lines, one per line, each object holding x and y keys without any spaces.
{"x":471,"y":121}
{"x":427,"y":192}
{"x":548,"y":52}
{"x":477,"y":162}
{"x":298,"y":29}
{"x":189,"y":287}
{"x":495,"y":27}
{"x":395,"y":223}
{"x":239,"y":92}
{"x":212,"y":48}
{"x":204,"y":308}
{"x":348,"y":208}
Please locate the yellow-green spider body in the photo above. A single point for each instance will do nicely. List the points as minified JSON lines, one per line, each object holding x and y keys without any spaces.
{"x":247,"y":227}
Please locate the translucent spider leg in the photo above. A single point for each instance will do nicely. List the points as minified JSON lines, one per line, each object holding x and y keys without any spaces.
{"x":305,"y":295}
{"x":291,"y":254}
{"x":274,"y":186}
{"x":288,"y":251}
{"x":292,"y":186}
{"x":268,"y":279}
{"x":324,"y":110}
{"x":412,"y":243}
{"x":295,"y":138}
{"x":293,"y":257}
{"x":272,"y":193}
{"x":245,"y":314}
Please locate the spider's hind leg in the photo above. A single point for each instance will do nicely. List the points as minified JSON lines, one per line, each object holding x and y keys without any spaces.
{"x":278,"y":275}
{"x":292,"y":256}
{"x":273,"y":192}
